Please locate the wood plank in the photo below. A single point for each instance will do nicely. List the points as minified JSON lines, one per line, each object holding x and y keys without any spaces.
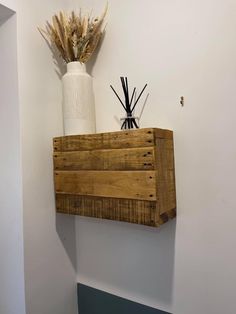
{"x":166,"y":194}
{"x":109,"y":159}
{"x":117,"y":184}
{"x":163,"y":133}
{"x":110,"y":140}
{"x":127,"y":210}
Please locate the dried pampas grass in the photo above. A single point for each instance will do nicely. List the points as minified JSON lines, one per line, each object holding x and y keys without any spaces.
{"x":75,"y":36}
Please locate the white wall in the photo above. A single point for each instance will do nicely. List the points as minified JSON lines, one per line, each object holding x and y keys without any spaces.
{"x":48,"y":239}
{"x":205,"y":160}
{"x":179,"y":48}
{"x":12,"y":297}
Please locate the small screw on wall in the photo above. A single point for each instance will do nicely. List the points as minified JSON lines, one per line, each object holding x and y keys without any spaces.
{"x":182,"y":101}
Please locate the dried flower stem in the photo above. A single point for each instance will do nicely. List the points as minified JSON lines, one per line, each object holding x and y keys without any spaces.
{"x":75,"y":36}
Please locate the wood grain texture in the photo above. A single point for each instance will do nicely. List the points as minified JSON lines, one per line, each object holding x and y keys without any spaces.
{"x":165,"y":175}
{"x":126,"y":175}
{"x":118,"y":184}
{"x":106,"y":159}
{"x":127,"y":210}
{"x":111,"y":140}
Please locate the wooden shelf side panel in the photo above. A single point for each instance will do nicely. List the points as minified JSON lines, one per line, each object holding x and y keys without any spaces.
{"x":166,"y":192}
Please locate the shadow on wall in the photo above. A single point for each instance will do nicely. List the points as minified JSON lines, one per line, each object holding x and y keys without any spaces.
{"x":133,"y":261}
{"x":65,"y":226}
{"x":5,"y":14}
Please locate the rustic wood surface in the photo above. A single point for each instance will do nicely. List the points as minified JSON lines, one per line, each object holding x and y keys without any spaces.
{"x":111,"y":140}
{"x":129,"y":210}
{"x":165,"y":175}
{"x":106,"y":159}
{"x":126,"y":175}
{"x":118,"y":184}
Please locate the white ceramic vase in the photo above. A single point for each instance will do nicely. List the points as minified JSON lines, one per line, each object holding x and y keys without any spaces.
{"x":78,"y":100}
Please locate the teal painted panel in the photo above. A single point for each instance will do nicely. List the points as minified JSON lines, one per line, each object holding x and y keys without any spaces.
{"x":94,"y":301}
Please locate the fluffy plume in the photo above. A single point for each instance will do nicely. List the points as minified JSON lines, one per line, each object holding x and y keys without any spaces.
{"x":75,"y":36}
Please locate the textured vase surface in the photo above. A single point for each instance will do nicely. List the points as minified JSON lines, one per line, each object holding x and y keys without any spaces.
{"x":78,"y":100}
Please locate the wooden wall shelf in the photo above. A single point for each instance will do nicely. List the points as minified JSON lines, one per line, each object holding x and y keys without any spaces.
{"x":126,"y":175}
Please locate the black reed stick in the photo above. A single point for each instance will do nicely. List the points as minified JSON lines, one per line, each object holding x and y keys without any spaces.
{"x":128,"y":109}
{"x":127,"y":90}
{"x":118,"y":97}
{"x":123,"y":124}
{"x":135,"y":123}
{"x":125,"y":93}
{"x":138,"y":98}
{"x":132,"y":97}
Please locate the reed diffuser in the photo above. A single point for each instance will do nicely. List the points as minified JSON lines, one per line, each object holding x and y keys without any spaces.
{"x":129,"y":104}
